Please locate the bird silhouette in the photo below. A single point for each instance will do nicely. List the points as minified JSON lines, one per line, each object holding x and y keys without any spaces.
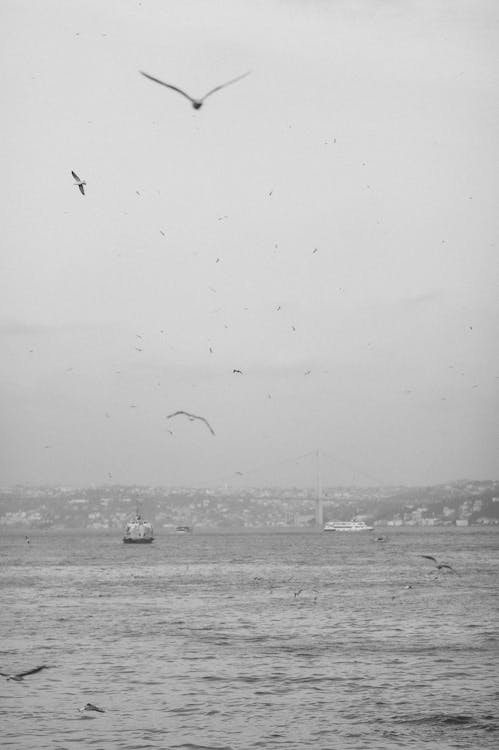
{"x":79,"y":183}
{"x":237,"y":372}
{"x":192,"y":417}
{"x":92,"y":707}
{"x":196,"y":103}
{"x":440,"y":566}
{"x":21,"y":675}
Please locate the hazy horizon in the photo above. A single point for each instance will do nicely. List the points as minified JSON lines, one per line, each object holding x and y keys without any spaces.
{"x":327,"y":226}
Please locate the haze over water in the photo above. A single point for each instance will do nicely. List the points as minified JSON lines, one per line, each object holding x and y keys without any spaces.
{"x":198,"y":641}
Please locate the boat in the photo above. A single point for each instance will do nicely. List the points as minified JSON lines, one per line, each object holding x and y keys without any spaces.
{"x":347,"y":526}
{"x":138,"y":531}
{"x":183,"y":529}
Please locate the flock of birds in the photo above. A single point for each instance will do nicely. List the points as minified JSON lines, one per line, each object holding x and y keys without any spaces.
{"x":197,"y":104}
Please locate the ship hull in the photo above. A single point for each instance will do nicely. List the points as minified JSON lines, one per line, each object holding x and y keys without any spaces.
{"x":138,"y":541}
{"x":349,"y":526}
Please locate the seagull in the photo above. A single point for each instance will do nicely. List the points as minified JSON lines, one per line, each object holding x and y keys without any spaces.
{"x":196,"y":103}
{"x":192,"y":417}
{"x":237,"y":372}
{"x":92,"y":707}
{"x":79,"y":182}
{"x":20,"y":675}
{"x":440,"y":566}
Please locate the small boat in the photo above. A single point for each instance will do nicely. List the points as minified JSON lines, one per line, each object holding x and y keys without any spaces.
{"x":138,"y":531}
{"x":183,"y":529}
{"x":347,"y":526}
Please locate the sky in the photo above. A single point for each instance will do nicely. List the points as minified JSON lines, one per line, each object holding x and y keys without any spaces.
{"x":327,"y":226}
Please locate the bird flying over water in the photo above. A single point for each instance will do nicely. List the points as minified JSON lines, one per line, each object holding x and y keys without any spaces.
{"x":196,"y":103}
{"x":192,"y":417}
{"x":91,"y":707}
{"x":79,"y":183}
{"x":20,"y":675}
{"x":440,"y":566}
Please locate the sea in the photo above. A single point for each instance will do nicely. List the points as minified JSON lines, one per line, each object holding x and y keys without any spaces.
{"x":241,"y":641}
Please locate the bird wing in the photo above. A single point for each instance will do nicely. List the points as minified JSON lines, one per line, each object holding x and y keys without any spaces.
{"x":176,"y":413}
{"x":4,"y":674}
{"x":75,"y":176}
{"x":448,"y":567}
{"x":207,"y":424}
{"x":32,"y":671}
{"x":227,"y":83}
{"x":192,"y":416}
{"x":168,"y":85}
{"x":82,"y":189}
{"x":429,"y":557}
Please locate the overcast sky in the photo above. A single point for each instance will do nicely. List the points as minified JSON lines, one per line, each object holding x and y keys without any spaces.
{"x":327,"y":226}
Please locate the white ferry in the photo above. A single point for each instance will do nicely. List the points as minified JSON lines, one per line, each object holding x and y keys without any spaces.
{"x":347,"y":526}
{"x":138,"y":531}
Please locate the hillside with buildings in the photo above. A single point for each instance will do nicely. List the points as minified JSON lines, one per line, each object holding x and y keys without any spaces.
{"x":458,"y":503}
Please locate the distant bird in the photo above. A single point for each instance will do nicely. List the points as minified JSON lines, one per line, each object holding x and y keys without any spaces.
{"x":405,"y":588}
{"x":20,"y":675}
{"x":27,"y":539}
{"x":440,"y":566}
{"x":307,"y":372}
{"x":161,"y":232}
{"x":237,"y":372}
{"x":314,"y":250}
{"x":79,"y":183}
{"x":196,"y":103}
{"x":240,"y":473}
{"x":297,"y":593}
{"x":278,"y":308}
{"x":138,"y":350}
{"x":91,"y":707}
{"x":192,"y":417}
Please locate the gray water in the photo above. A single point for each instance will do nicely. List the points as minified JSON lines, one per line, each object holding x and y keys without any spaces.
{"x":199,"y":641}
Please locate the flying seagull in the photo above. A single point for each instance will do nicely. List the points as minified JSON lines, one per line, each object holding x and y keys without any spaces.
{"x":92,"y":707}
{"x":79,"y":182}
{"x":440,"y":566}
{"x":20,"y":675}
{"x":196,"y":103}
{"x":192,"y":417}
